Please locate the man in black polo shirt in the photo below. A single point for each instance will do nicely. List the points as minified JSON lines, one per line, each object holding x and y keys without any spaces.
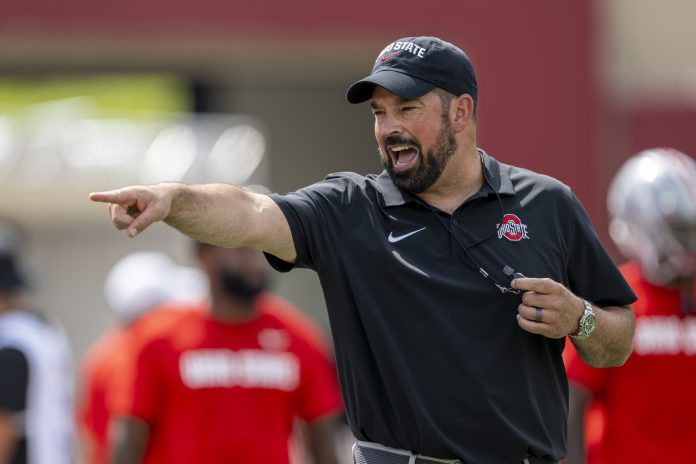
{"x":446,"y":351}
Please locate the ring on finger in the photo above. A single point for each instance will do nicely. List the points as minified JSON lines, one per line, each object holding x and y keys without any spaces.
{"x":537,"y":316}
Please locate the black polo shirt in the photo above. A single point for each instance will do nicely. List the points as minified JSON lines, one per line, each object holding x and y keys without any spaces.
{"x":429,"y":353}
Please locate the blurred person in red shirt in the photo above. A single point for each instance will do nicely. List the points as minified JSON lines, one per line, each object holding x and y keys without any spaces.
{"x":643,"y":411}
{"x":227,"y":383}
{"x":144,"y":290}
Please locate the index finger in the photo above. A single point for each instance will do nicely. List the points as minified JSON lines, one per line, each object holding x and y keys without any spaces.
{"x":537,"y":285}
{"x":112,"y":196}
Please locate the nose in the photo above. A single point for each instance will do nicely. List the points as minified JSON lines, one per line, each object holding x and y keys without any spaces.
{"x":386,"y":125}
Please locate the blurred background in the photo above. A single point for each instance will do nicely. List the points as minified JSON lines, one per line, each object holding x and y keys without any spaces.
{"x":97,"y":95}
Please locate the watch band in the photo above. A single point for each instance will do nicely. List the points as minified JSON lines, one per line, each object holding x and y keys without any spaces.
{"x":586,"y":324}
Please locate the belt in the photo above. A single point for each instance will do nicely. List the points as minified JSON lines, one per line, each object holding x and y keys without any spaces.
{"x":365,"y":452}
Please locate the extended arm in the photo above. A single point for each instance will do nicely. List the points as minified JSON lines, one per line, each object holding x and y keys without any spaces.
{"x":609,"y":345}
{"x":220,"y":214}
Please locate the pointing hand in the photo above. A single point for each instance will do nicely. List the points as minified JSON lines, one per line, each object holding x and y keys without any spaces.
{"x":135,"y":208}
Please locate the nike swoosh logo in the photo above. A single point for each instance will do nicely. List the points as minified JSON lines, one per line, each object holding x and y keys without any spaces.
{"x":397,"y":238}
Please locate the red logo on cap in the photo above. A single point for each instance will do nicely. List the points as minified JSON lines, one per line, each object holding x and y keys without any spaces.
{"x":386,"y":57}
{"x":512,"y":228}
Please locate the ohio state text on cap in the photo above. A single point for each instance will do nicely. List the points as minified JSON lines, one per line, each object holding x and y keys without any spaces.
{"x":413,"y":66}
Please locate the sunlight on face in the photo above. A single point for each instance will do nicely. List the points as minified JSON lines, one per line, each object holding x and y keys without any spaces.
{"x":400,"y":125}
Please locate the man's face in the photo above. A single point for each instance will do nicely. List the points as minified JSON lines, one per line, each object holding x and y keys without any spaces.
{"x":415,"y":138}
{"x":240,"y":272}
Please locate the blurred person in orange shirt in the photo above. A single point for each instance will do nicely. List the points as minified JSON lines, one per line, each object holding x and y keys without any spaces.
{"x":643,"y":411}
{"x":35,"y":373}
{"x":144,"y":290}
{"x":227,"y":383}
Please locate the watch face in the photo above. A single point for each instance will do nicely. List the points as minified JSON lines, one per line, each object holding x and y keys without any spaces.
{"x":588,"y":324}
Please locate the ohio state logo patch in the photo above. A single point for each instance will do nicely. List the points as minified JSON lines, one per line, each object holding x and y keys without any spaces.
{"x":512,"y":228}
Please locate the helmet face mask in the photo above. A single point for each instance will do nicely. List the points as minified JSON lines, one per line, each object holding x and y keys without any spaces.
{"x":685,"y":235}
{"x":652,"y":203}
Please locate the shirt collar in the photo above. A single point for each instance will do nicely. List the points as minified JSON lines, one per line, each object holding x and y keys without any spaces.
{"x":391,"y":194}
{"x":496,"y":174}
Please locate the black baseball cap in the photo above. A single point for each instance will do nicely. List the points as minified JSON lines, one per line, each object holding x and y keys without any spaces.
{"x":413,"y":66}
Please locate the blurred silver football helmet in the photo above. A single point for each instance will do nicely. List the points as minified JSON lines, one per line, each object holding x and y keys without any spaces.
{"x":652,"y":203}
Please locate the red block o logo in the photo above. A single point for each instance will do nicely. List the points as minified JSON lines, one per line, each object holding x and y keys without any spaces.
{"x":512,"y":228}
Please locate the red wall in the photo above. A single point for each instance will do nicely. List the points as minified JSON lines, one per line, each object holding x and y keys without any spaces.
{"x":534,"y":59}
{"x":663,"y":125}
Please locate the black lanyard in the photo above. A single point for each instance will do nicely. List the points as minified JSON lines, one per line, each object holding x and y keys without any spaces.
{"x":471,"y":261}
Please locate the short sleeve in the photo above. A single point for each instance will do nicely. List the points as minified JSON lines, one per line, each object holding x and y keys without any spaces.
{"x":316,"y":216}
{"x":149,"y":327}
{"x":593,"y":275}
{"x":14,"y":380}
{"x":146,"y":383}
{"x":90,"y":395}
{"x":319,"y":391}
{"x":123,"y":362}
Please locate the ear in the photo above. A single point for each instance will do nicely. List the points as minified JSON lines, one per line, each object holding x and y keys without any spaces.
{"x":463,"y":112}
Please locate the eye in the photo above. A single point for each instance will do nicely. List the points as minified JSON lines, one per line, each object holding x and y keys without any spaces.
{"x":376,"y":113}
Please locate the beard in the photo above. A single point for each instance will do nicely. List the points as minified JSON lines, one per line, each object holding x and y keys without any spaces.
{"x":431,"y":164}
{"x":242,"y":288}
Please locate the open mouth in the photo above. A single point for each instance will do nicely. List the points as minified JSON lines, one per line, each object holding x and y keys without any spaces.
{"x":403,"y":156}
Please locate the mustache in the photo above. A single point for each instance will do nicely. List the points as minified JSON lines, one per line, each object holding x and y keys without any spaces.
{"x":400,"y":140}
